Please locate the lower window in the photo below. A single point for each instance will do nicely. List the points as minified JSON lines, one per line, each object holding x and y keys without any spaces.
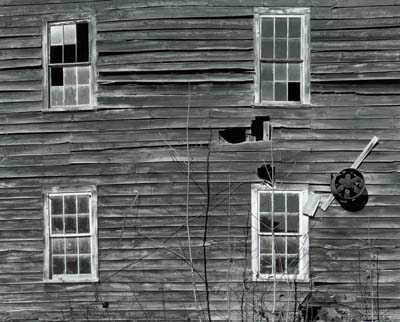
{"x":279,"y":234}
{"x":70,"y":234}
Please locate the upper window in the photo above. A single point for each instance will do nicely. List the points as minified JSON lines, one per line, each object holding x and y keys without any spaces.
{"x":70,"y":65}
{"x":279,"y":234}
{"x":71,"y":235}
{"x":282,"y":56}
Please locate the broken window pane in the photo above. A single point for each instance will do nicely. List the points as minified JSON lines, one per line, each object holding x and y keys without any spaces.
{"x":267,"y":28}
{"x":69,"y":53}
{"x":56,"y":53}
{"x":56,"y":76}
{"x":56,"y":205}
{"x":83,"y":95}
{"x":281,"y":28}
{"x":84,"y":265}
{"x":294,"y":27}
{"x":294,"y":91}
{"x":72,"y":264}
{"x":56,"y":36}
{"x":267,"y":48}
{"x":58,"y":265}
{"x":70,"y":34}
{"x":82,"y":34}
{"x":70,"y":95}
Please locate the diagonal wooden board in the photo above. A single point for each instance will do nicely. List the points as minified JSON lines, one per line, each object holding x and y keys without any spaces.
{"x":355,"y":165}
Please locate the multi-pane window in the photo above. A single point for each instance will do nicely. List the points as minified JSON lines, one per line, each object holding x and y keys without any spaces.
{"x":282,"y":57}
{"x":71,"y":237}
{"x":279,"y":235}
{"x":69,"y":65}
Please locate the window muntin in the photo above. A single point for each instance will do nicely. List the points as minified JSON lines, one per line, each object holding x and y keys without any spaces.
{"x":71,"y":236}
{"x":69,"y":65}
{"x":282,"y":57}
{"x":279,"y":235}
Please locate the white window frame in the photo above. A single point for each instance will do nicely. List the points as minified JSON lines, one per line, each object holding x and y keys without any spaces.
{"x":303,"y":271}
{"x":304,"y":13}
{"x":61,"y":20}
{"x":73,"y":278}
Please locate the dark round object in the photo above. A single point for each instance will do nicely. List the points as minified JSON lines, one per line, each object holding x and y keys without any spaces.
{"x":348,"y":185}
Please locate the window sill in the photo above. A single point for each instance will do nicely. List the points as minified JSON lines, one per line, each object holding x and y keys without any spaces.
{"x":62,"y":280}
{"x":281,"y":278}
{"x":69,"y":109}
{"x":283,"y":104}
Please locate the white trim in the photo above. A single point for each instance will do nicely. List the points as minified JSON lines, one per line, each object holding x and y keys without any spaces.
{"x":65,"y":191}
{"x":303,"y":274}
{"x":304,"y":13}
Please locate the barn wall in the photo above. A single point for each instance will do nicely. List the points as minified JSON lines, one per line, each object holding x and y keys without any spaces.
{"x":159,"y":60}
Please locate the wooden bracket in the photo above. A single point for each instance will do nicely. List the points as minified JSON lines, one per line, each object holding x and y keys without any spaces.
{"x":355,"y":165}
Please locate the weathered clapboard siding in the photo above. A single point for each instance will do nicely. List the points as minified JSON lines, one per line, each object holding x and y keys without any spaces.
{"x":156,"y":57}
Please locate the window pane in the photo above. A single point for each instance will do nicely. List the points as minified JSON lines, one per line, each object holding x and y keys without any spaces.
{"x":83,"y":95}
{"x":83,"y":204}
{"x":69,"y":53}
{"x":58,"y":265}
{"x":280,"y":72}
{"x":280,"y":265}
{"x":267,"y":48}
{"x":266,"y":72}
{"x":266,"y":224}
{"x":266,"y":245}
{"x":56,"y":54}
{"x":293,"y":202}
{"x":70,"y":204}
{"x":280,"y":91}
{"x":57,"y":78}
{"x":70,"y":224}
{"x":265,"y":202}
{"x":281,"y":27}
{"x":56,"y":35}
{"x":82,"y":34}
{"x":267,"y":27}
{"x":279,"y":202}
{"x":83,"y":224}
{"x":294,"y":72}
{"x":294,"y":91}
{"x":70,"y":75}
{"x":292,"y":223}
{"x":83,"y":75}
{"x":267,"y":93}
{"x":292,"y":245}
{"x":265,"y":264}
{"x":84,"y":265}
{"x":70,"y":34}
{"x":294,"y":48}
{"x":57,"y":226}
{"x":280,"y":245}
{"x":56,"y":96}
{"x":72,"y":264}
{"x":70,"y":95}
{"x":58,"y":245}
{"x":84,"y":245}
{"x":71,"y":245}
{"x":293,"y":265}
{"x":56,"y":205}
{"x":281,"y":48}
{"x":294,"y":27}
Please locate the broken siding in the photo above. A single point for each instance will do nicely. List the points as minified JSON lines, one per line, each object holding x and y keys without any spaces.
{"x":154,"y":59}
